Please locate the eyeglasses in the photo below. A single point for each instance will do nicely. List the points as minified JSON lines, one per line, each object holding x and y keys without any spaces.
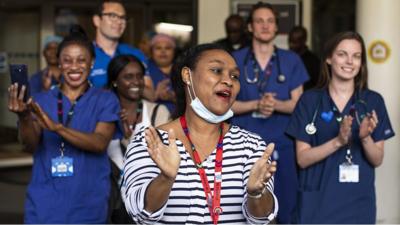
{"x":114,"y":17}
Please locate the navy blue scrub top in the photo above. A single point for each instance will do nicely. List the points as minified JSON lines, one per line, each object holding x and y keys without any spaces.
{"x":83,"y":197}
{"x":157,"y":76}
{"x":273,"y":128}
{"x":322,"y":199}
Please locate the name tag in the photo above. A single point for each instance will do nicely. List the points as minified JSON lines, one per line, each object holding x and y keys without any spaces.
{"x":348,"y":173}
{"x":62,"y":167}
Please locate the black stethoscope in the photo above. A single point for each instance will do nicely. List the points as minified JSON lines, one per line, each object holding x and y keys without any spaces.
{"x":312,"y":129}
{"x":281,"y":77}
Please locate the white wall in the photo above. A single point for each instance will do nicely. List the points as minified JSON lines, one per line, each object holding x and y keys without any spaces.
{"x":307,"y":20}
{"x":380,"y":20}
{"x":211,"y":18}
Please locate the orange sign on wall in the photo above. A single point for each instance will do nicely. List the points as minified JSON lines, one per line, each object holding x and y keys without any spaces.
{"x":378,"y":51}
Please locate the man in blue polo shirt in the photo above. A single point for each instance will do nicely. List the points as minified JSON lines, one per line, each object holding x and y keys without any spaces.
{"x":110,"y":22}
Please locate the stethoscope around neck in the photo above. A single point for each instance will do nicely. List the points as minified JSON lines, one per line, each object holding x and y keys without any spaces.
{"x":312,"y":129}
{"x":281,"y":77}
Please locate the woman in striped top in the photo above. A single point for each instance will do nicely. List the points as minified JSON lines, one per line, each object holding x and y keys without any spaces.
{"x":202,"y":171}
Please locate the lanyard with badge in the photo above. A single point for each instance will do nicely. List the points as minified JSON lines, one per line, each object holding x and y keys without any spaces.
{"x":213,"y":200}
{"x":348,"y":170}
{"x":63,"y":166}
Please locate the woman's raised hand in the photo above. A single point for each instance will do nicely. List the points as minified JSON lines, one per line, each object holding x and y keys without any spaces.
{"x":44,"y":120}
{"x":127,"y":129}
{"x":345,"y":130}
{"x":16,"y":102}
{"x":166,"y":157}
{"x":368,"y":124}
{"x":261,"y":171}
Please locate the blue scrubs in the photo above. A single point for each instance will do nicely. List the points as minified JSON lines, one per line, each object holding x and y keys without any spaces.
{"x":157,"y":76}
{"x":98,"y":75}
{"x":36,"y":83}
{"x":83,"y":197}
{"x":322,"y":198}
{"x":272,"y":129}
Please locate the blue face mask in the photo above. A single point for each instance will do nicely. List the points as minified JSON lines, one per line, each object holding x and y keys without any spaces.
{"x":202,"y":111}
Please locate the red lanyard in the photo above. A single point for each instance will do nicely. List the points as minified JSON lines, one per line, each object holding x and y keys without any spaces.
{"x":213,"y":201}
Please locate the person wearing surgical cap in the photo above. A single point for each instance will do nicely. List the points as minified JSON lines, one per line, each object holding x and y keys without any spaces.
{"x":162,"y":48}
{"x":44,"y":79}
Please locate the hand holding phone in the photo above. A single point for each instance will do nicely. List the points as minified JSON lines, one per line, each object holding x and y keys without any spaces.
{"x":16,"y":104}
{"x":19,"y":74}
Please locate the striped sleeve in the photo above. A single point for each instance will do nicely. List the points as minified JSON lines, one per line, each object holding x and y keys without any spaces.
{"x":139,"y":171}
{"x":257,"y":147}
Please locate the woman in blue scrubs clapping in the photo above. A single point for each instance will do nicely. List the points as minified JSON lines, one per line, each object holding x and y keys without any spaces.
{"x":68,"y":129}
{"x":340,"y":129}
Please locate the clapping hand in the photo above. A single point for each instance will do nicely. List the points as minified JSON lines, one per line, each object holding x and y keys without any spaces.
{"x":44,"y":120}
{"x":261,"y":171}
{"x":345,"y":130}
{"x":163,"y":92}
{"x":48,"y":76}
{"x":368,"y":124}
{"x":267,"y":104}
{"x":127,"y":128}
{"x":166,"y":157}
{"x":47,"y":80}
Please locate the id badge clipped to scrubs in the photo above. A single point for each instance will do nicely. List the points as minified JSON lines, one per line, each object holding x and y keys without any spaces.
{"x":62,"y":166}
{"x":348,"y":171}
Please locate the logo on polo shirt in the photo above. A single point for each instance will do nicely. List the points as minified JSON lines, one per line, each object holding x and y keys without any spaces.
{"x":98,"y":72}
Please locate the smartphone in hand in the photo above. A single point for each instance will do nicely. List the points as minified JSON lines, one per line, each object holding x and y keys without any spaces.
{"x":19,"y":74}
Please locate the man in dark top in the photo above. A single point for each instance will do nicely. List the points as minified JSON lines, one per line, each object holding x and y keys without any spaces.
{"x":236,"y":35}
{"x":297,"y":43}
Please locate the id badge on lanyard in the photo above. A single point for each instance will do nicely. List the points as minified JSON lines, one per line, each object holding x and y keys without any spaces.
{"x":213,"y":200}
{"x":348,"y":171}
{"x":63,"y":166}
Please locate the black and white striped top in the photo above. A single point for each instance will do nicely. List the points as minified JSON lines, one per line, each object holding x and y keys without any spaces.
{"x":186,"y":203}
